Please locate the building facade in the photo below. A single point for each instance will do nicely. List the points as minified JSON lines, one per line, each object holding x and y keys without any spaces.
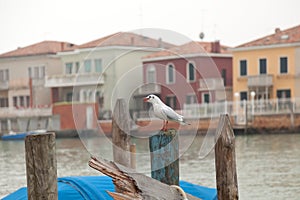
{"x":25,"y":103}
{"x":101,"y":71}
{"x":193,"y":73}
{"x":269,"y":67}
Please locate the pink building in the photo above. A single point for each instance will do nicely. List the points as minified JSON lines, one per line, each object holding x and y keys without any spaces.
{"x":196,"y":72}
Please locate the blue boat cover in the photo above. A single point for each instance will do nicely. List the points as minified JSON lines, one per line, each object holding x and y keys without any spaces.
{"x":95,"y":187}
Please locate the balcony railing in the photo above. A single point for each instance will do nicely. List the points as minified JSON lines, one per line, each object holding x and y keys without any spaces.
{"x":74,"y":80}
{"x":3,"y":85}
{"x":150,"y":88}
{"x":260,"y":81}
{"x":211,"y":84}
{"x":12,"y":112}
{"x":21,"y":83}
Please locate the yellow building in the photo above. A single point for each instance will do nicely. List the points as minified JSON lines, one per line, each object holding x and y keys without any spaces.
{"x":269,"y":67}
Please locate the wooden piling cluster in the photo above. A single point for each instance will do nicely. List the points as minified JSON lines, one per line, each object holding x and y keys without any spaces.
{"x":42,"y":173}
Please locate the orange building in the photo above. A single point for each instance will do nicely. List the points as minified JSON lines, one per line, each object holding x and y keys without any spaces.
{"x":269,"y":67}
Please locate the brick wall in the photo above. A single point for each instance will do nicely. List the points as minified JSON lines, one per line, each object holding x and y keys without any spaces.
{"x":73,"y":116}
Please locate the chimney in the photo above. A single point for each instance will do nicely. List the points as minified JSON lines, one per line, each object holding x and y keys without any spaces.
{"x":216,"y":47}
{"x":277,"y":30}
{"x":62,"y":46}
{"x":132,"y":41}
{"x":160,"y":44}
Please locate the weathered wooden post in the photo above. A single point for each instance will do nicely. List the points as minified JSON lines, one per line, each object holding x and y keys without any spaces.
{"x":120,"y":134}
{"x":41,"y":167}
{"x":164,"y":151}
{"x":225,"y":162}
{"x":133,"y":156}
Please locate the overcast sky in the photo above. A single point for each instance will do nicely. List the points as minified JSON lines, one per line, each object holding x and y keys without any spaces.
{"x":233,"y":22}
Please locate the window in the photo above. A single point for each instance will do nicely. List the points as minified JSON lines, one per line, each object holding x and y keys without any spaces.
{"x":69,"y":67}
{"x":3,"y":102}
{"x":283,"y":65}
{"x":15,"y":101}
{"x":30,"y":72}
{"x":170,"y":74}
{"x":4,"y":75}
{"x":37,"y":72}
{"x":69,"y":97}
{"x":77,"y":66}
{"x":98,"y":65}
{"x":22,"y":102}
{"x":42,"y":72}
{"x":191,"y":99}
{"x":223,"y":74}
{"x":87,"y":66}
{"x":243,"y":95}
{"x":151,"y":74}
{"x":263,"y":66}
{"x":284,"y":93}
{"x":205,"y":97}
{"x":190,"y":72}
{"x":243,"y":68}
{"x":171,"y":101}
{"x":27,"y":101}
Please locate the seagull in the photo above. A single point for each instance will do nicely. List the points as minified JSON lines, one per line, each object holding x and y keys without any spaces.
{"x":164,"y":112}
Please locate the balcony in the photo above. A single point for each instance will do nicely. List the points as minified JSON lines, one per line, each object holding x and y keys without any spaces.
{"x":260,"y":81}
{"x":21,"y":83}
{"x":66,"y":80}
{"x":11,"y":112}
{"x":211,"y":84}
{"x":150,"y":88}
{"x":3,"y":85}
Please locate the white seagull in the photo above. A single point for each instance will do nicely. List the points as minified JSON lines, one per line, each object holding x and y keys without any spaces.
{"x":164,"y":112}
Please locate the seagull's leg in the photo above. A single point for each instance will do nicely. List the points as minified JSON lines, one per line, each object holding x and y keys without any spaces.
{"x":166,"y":125}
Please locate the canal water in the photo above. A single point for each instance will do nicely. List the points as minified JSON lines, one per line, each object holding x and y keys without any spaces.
{"x":268,"y":166}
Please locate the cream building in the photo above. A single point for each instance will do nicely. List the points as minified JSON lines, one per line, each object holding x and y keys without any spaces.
{"x":102,"y":70}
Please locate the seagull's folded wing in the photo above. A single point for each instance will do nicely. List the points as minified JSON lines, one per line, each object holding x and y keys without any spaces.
{"x":171,"y":114}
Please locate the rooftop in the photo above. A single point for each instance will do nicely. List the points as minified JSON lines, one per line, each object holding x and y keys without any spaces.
{"x":192,"y":48}
{"x":288,"y":36}
{"x":41,"y":48}
{"x":126,"y":39}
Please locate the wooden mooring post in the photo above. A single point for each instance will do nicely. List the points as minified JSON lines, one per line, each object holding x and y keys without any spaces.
{"x":225,"y":161}
{"x":41,"y":168}
{"x":164,"y":151}
{"x":120,"y":134}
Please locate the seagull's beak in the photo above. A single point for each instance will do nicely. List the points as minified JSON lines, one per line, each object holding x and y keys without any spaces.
{"x":145,"y":99}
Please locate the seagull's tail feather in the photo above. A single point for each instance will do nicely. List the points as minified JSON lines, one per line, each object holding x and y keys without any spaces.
{"x":183,"y":122}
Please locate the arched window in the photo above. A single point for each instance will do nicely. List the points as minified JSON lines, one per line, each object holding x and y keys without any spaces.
{"x":190,"y":72}
{"x":151,"y":74}
{"x":170,"y":74}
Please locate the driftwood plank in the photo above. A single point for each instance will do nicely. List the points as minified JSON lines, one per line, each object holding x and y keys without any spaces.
{"x":225,"y":161}
{"x":134,"y":185}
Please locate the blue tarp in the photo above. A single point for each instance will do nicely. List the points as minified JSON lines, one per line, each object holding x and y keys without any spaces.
{"x":95,"y":187}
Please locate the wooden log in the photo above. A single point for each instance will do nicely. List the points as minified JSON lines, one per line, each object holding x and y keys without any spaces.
{"x":41,"y":166}
{"x":133,"y":156}
{"x":121,"y":134}
{"x":136,"y":186}
{"x":164,"y":151}
{"x":225,"y":161}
